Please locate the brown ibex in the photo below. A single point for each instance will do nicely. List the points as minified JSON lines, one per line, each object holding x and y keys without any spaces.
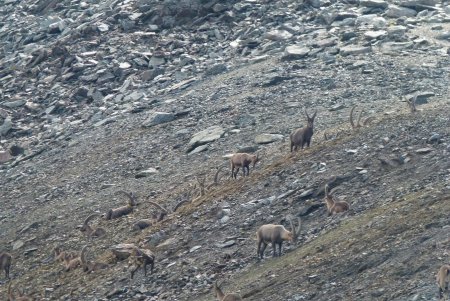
{"x":5,"y":263}
{"x":358,"y":123}
{"x":71,"y":264}
{"x":91,"y":266}
{"x":242,"y":160}
{"x":142,"y":224}
{"x":142,"y":258}
{"x":303,"y":136}
{"x":21,"y":296}
{"x":222,"y":297}
{"x":89,"y":231}
{"x":333,"y":206}
{"x":442,"y":279}
{"x":124,"y":210}
{"x":61,"y":255}
{"x":275,"y":234}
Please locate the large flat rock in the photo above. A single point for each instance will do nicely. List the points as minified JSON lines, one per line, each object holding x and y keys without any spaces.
{"x":210,"y":134}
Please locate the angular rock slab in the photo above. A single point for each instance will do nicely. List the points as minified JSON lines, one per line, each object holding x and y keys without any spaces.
{"x":374,"y":3}
{"x":295,"y":52}
{"x":209,"y":135}
{"x":156,"y":118}
{"x":354,"y":50}
{"x":395,"y":11}
{"x":267,"y":138}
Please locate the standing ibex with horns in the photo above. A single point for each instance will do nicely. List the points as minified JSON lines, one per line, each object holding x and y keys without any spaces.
{"x":242,"y":160}
{"x":142,"y":258}
{"x":89,"y":231}
{"x":5,"y":262}
{"x":303,"y":136}
{"x":275,"y":234}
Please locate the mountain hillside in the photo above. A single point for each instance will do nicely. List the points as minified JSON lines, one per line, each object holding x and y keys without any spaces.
{"x":98,"y":98}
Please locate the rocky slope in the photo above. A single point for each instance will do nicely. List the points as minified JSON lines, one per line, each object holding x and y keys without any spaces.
{"x":98,"y":97}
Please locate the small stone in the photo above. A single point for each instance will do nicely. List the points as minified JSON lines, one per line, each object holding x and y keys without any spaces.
{"x":124,"y":65}
{"x":295,"y":52}
{"x":17,"y":245}
{"x":267,"y":138}
{"x":225,"y":219}
{"x":306,"y":193}
{"x":195,"y":248}
{"x":435,"y":138}
{"x":424,"y":150}
{"x":374,"y":35}
{"x":198,"y":149}
{"x":227,"y":244}
{"x":156,"y":118}
{"x":354,"y":50}
{"x":336,"y":107}
{"x":146,"y":173}
{"x":278,"y":35}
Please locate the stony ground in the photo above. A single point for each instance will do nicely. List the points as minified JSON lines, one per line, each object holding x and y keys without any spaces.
{"x":136,"y":135}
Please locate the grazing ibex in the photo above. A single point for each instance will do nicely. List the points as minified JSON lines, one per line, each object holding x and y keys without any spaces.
{"x":72,"y":264}
{"x":21,"y":296}
{"x":222,"y":297}
{"x":5,"y":263}
{"x":142,"y":224}
{"x":142,"y":258}
{"x":124,"y":210}
{"x":91,"y":266}
{"x":333,"y":206}
{"x":242,"y":160}
{"x":303,"y":136}
{"x":275,"y":234}
{"x":442,"y":279}
{"x":358,"y":124}
{"x":89,"y":231}
{"x":61,"y":255}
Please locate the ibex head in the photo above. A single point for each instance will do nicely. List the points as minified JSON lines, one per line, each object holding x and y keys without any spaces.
{"x":310,"y":119}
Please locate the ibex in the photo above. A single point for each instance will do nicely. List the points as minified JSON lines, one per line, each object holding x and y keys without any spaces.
{"x":142,"y":258}
{"x":358,"y":123}
{"x":21,"y":296}
{"x":142,"y":224}
{"x":71,"y":264}
{"x":91,"y":266}
{"x":303,"y":136}
{"x":61,"y":255}
{"x":222,"y":297}
{"x":333,"y":206}
{"x":242,"y":160}
{"x":442,"y":279}
{"x":5,"y":263}
{"x":124,"y":210}
{"x":89,"y":231}
{"x":275,"y":234}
